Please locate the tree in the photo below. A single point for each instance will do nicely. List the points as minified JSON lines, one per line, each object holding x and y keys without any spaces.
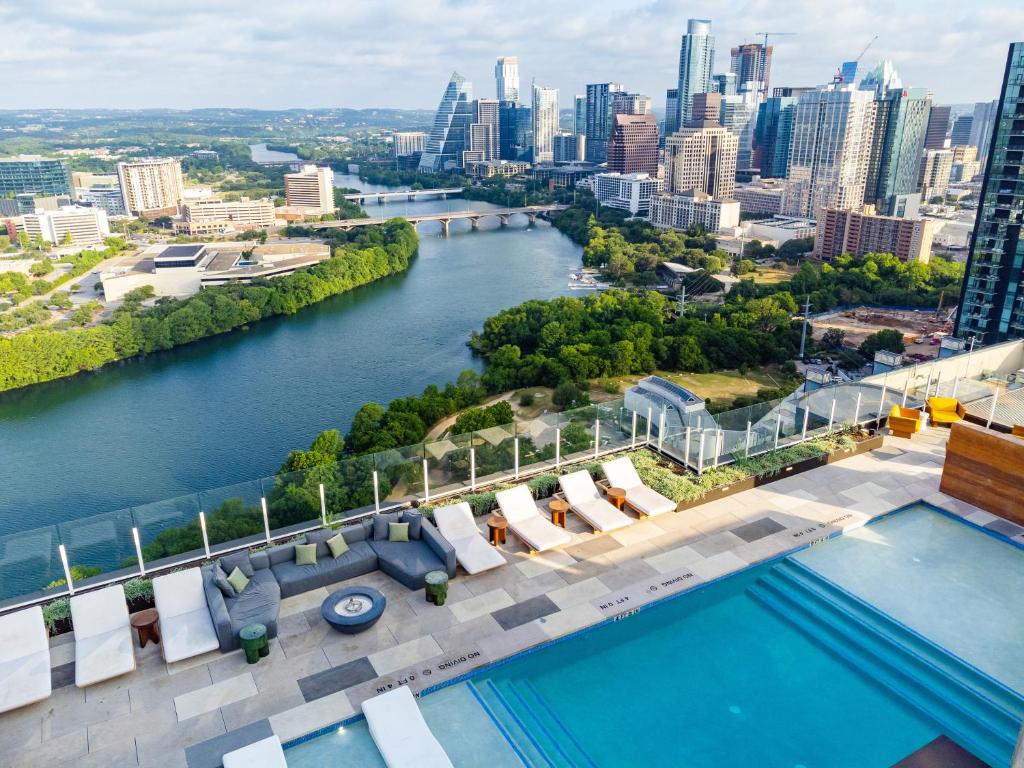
{"x":833,"y":338}
{"x":568,"y":395}
{"x":41,"y":268}
{"x":66,"y":240}
{"x":889,"y":339}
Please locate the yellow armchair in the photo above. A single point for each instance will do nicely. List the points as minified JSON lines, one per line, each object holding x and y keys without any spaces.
{"x":945,"y":410}
{"x":903,"y":422}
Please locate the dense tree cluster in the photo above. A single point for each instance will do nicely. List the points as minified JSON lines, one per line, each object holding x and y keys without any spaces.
{"x":42,"y":354}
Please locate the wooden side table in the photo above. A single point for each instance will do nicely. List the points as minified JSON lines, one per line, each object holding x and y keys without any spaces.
{"x":617,"y":496}
{"x":145,"y":623}
{"x":497,"y":528}
{"x":558,"y":508}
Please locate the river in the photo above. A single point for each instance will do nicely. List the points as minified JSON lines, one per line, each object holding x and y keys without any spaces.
{"x":228,"y":409}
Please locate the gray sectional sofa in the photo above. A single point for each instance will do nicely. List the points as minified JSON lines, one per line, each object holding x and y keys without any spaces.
{"x":274,"y":573}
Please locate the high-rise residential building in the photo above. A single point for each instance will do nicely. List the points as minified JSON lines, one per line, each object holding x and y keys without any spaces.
{"x":579,"y":115}
{"x":569,"y":147}
{"x":787,"y":90}
{"x":515,"y":135}
{"x":882,"y":78}
{"x":599,"y":119}
{"x":739,"y":115}
{"x":694,"y":208}
{"x":506,"y":78}
{"x":983,"y":124}
{"x":725,"y":83}
{"x":965,"y":163}
{"x":105,"y":196}
{"x":212,"y":216}
{"x":696,"y":60}
{"x":772,"y":136}
{"x":960,"y":134}
{"x":830,"y":150}
{"x":992,"y":297}
{"x":545,"y":123}
{"x":449,"y":135}
{"x":938,"y":125}
{"x":408,"y":142}
{"x":43,"y":176}
{"x":628,"y":192}
{"x":630,"y":103}
{"x":935,"y":169}
{"x":706,"y":106}
{"x":633,"y":147}
{"x":311,"y":189}
{"x":848,"y":72}
{"x":151,"y":188}
{"x":901,"y":122}
{"x":671,"y":111}
{"x":702,"y":158}
{"x":484,"y":132}
{"x":752,"y":62}
{"x":761,"y":196}
{"x":855,"y":233}
{"x":70,"y":225}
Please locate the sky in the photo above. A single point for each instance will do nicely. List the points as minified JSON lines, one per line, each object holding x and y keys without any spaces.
{"x":281,"y":54}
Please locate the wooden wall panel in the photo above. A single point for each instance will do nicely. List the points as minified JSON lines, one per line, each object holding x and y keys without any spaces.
{"x":986,"y":469}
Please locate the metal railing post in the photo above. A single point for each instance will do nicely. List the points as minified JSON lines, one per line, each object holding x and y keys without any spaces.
{"x":803,"y":432}
{"x":746,"y":450}
{"x":700,"y":455}
{"x":992,"y":410}
{"x":472,"y":469}
{"x":881,"y":407}
{"x":266,"y":517}
{"x":67,"y":571}
{"x":323,"y":505}
{"x":832,"y":416}
{"x":661,"y":430}
{"x":376,"y":493}
{"x":956,"y":385}
{"x":138,"y":551}
{"x":202,"y":527}
{"x":426,"y":481}
{"x":686,"y":451}
{"x":558,"y":447}
{"x":632,"y":439}
{"x":856,"y":411}
{"x":906,"y":391}
{"x":515,"y":451}
{"x":778,"y":426}
{"x":648,"y":439}
{"x":597,"y":435}
{"x":718,"y":445}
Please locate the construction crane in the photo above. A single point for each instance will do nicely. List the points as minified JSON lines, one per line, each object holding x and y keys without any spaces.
{"x":775,"y":34}
{"x":838,"y":78}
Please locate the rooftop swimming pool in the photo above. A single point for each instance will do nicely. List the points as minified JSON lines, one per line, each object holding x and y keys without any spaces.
{"x":776,"y":666}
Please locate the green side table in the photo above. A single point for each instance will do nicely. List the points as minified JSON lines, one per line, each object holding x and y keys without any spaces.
{"x":437,"y":587}
{"x":254,"y":642}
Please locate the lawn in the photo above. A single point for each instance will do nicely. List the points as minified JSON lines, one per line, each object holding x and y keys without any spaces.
{"x":772,"y":274}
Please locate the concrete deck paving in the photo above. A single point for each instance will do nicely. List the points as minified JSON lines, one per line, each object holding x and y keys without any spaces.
{"x":190,"y":713}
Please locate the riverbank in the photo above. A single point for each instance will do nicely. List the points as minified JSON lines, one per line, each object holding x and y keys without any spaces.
{"x":44,"y":355}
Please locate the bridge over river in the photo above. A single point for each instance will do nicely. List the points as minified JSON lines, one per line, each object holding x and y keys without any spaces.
{"x":447,"y":217}
{"x":403,"y":194}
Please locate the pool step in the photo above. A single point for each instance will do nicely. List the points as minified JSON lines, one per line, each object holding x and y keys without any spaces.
{"x":978,"y":711}
{"x":532,"y":727}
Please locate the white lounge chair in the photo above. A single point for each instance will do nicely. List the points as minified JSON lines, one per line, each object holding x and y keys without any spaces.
{"x":456,"y":523}
{"x":525,"y":520}
{"x":24,"y":659}
{"x":103,"y":636}
{"x":585,"y":500}
{"x":647,"y":502}
{"x":400,"y":732}
{"x":265,"y":753}
{"x":186,"y":629}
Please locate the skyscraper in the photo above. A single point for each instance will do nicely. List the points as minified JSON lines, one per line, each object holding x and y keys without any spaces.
{"x":702,"y":158}
{"x":599,"y":119}
{"x":960,"y":135}
{"x":725,"y":83}
{"x":483,"y":132}
{"x":545,"y":123}
{"x":882,"y":78}
{"x":752,"y":62}
{"x":633,"y":146}
{"x":449,"y":136}
{"x":982,"y":126}
{"x":506,"y":78}
{"x":938,"y":124}
{"x":772,"y":135}
{"x":992,"y":298}
{"x":829,"y":150}
{"x":579,"y":115}
{"x":706,"y":106}
{"x":936,"y":169}
{"x":848,"y":71}
{"x":739,"y":115}
{"x":901,"y":120}
{"x":630,"y":103}
{"x":696,"y":59}
{"x":155,"y":187}
{"x":30,"y":173}
{"x":671,"y":111}
{"x":515,"y":134}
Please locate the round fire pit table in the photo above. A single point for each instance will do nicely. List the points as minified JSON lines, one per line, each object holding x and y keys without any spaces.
{"x":353,"y":609}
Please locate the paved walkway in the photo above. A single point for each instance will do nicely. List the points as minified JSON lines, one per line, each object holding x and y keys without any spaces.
{"x":188,"y":714}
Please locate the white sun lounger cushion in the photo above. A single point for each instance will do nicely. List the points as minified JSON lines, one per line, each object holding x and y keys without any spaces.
{"x":186,"y":628}
{"x":265,"y":753}
{"x":103,"y":636}
{"x":456,"y":523}
{"x":400,"y":732}
{"x":622,"y":474}
{"x":24,"y":659}
{"x":520,"y":510}
{"x":584,"y":498}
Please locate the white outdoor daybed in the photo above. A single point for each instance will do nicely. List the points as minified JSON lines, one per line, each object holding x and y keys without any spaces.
{"x":525,"y":520}
{"x":24,"y":659}
{"x":103,"y":636}
{"x":647,"y":502}
{"x":456,"y":523}
{"x":585,"y":500}
{"x":400,"y":732}
{"x":186,"y":629}
{"x":265,"y":753}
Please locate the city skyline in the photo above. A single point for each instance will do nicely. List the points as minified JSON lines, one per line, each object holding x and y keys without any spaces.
{"x":87,"y":57}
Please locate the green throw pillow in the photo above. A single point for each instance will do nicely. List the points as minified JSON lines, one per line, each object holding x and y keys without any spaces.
{"x":398,"y":531}
{"x":238,"y":580}
{"x":305,"y":554}
{"x":337,"y":545}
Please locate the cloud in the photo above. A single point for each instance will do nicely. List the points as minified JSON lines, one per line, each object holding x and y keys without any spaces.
{"x":291,"y":53}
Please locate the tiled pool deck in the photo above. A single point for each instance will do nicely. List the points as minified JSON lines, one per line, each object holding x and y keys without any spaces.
{"x":188,"y":714}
